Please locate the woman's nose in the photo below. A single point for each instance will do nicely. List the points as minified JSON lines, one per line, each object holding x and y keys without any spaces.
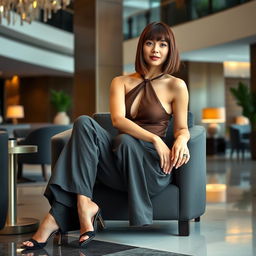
{"x":155,"y":49}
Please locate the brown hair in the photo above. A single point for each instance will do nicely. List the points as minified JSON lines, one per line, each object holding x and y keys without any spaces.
{"x":158,"y":31}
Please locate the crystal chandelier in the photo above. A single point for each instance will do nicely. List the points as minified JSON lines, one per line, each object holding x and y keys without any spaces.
{"x":28,"y":9}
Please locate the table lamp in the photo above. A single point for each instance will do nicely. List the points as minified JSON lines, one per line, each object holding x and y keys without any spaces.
{"x":213,"y":116}
{"x":241,"y":120}
{"x":14,"y":112}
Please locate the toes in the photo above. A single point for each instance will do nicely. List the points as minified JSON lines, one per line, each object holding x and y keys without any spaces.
{"x":28,"y":243}
{"x":83,"y":238}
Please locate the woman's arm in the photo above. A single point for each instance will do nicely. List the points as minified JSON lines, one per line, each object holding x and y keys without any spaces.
{"x":181,"y":132}
{"x":119,"y":121}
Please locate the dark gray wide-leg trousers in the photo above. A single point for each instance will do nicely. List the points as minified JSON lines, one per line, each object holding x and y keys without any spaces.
{"x":123,"y":163}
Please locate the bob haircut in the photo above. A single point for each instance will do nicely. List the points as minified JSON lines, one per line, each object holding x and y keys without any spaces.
{"x":158,"y":31}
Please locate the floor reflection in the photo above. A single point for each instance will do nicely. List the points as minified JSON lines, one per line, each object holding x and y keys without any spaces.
{"x":228,"y":226}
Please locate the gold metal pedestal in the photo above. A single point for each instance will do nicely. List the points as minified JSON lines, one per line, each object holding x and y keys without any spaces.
{"x":14,"y":225}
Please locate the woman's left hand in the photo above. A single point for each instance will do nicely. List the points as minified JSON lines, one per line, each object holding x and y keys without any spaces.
{"x":180,"y":152}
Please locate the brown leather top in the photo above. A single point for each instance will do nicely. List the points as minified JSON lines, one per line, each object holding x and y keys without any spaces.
{"x":151,"y":114}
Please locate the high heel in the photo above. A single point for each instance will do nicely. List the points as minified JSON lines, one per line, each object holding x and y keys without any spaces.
{"x":98,"y":222}
{"x":58,"y":239}
{"x":37,"y":245}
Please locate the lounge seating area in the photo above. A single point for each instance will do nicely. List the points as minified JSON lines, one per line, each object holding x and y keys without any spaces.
{"x":158,"y":187}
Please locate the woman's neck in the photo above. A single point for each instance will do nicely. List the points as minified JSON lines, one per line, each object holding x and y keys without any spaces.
{"x":153,"y":72}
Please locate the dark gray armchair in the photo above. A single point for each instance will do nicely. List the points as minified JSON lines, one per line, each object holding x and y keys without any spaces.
{"x":42,"y":138}
{"x":239,"y":139}
{"x":184,"y":199}
{"x":4,"y":177}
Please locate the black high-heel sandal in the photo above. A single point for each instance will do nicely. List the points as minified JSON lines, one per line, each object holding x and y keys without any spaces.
{"x":37,"y":245}
{"x":98,"y":223}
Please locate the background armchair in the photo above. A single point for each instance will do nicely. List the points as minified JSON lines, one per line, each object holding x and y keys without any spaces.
{"x":184,"y":199}
{"x":4,"y":177}
{"x":239,"y":139}
{"x":42,"y":138}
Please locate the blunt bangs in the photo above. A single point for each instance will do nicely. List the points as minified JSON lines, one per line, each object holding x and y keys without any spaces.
{"x":158,"y":33}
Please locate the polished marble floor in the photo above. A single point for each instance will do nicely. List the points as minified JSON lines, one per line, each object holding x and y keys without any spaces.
{"x":228,"y":226}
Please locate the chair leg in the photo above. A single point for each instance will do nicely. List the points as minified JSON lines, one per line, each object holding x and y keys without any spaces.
{"x":197,"y":219}
{"x":183,"y":228}
{"x":20,"y":170}
{"x":242,"y":153}
{"x":237,"y":154}
{"x":44,"y":172}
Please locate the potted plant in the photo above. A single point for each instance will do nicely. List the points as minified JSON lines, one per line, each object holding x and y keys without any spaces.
{"x":62,"y":103}
{"x":247,"y":100}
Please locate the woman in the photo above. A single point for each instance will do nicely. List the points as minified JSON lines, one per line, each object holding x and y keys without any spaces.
{"x":137,"y":160}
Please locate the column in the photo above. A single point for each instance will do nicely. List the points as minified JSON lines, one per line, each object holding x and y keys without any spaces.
{"x":98,"y":53}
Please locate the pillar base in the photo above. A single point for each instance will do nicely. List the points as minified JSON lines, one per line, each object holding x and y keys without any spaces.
{"x":23,"y":225}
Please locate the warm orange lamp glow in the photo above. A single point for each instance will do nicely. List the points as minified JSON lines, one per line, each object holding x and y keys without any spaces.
{"x":213,"y":116}
{"x":216,"y":193}
{"x":241,"y":120}
{"x":14,"y":112}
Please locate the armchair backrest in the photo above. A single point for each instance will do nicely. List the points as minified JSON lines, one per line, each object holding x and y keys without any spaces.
{"x":169,"y":134}
{"x":104,"y":119}
{"x":42,"y":138}
{"x":237,"y":133}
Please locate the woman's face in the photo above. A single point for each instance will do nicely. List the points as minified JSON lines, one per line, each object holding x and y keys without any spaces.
{"x":155,"y":52}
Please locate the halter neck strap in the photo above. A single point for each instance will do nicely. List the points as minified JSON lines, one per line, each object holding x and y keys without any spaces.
{"x":156,"y":77}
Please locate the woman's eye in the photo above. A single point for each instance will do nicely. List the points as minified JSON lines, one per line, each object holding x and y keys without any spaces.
{"x":148,"y":43}
{"x":163,"y":45}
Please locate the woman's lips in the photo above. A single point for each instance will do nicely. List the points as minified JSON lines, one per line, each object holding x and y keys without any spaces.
{"x":154,"y":58}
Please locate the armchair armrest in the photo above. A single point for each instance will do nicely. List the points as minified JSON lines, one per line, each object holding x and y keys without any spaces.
{"x":58,"y":142}
{"x":191,"y":178}
{"x":4,"y":177}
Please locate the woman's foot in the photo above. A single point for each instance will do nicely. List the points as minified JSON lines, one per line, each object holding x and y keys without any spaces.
{"x":48,"y":226}
{"x":87,"y":210}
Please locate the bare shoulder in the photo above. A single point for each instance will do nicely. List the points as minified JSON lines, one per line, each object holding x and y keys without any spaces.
{"x":126,"y":82}
{"x":124,"y":79}
{"x":175,"y":83}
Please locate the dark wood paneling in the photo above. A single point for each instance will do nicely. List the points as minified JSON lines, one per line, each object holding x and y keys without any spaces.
{"x":35,"y":97}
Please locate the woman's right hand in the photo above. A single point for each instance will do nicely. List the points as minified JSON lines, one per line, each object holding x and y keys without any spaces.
{"x":164,"y":153}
